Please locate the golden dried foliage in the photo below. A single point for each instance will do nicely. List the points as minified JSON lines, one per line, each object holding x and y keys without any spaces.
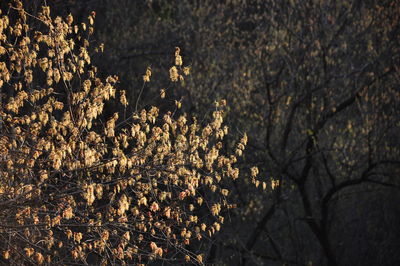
{"x":75,"y":185}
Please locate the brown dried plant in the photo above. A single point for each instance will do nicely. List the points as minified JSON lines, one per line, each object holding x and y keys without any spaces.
{"x":75,"y":189}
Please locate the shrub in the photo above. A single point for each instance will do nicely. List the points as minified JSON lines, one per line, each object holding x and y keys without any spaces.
{"x":80,"y":186}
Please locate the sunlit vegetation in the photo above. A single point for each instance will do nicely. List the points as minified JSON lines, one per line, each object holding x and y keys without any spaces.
{"x":78,"y":186}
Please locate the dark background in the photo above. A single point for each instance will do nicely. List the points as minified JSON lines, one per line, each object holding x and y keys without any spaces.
{"x":315,"y":84}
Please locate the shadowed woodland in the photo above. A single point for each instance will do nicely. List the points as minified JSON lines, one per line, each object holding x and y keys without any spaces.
{"x":188,"y":132}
